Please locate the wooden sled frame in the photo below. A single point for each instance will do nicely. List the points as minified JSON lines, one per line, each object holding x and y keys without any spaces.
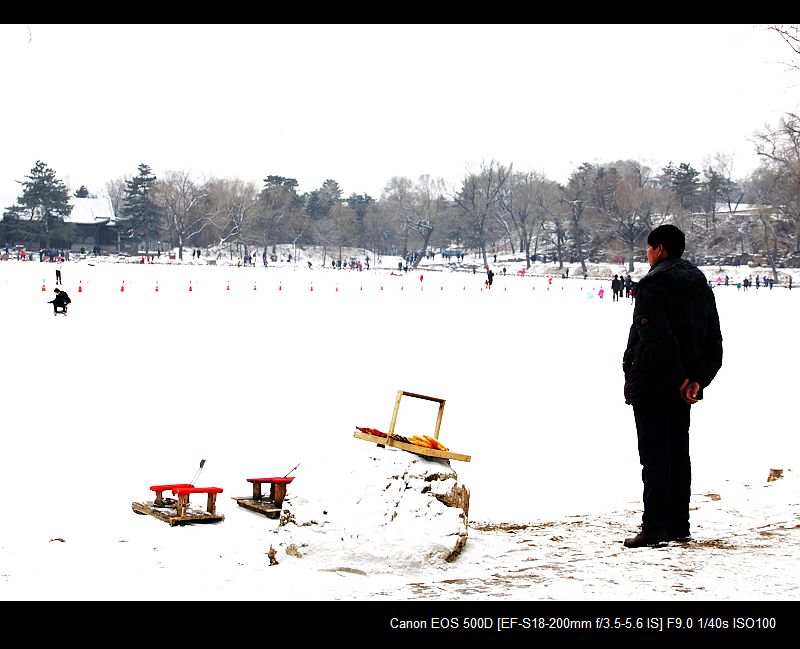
{"x":413,"y":448}
{"x":270,"y":506}
{"x":179,"y":512}
{"x":401,"y":394}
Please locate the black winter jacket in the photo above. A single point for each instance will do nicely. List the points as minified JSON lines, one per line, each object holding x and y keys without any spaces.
{"x":675,"y":334}
{"x":61,"y":299}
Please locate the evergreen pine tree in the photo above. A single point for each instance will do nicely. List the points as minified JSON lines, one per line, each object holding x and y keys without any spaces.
{"x":41,"y":209}
{"x":141,"y":219}
{"x":683,"y":181}
{"x":320,"y":201}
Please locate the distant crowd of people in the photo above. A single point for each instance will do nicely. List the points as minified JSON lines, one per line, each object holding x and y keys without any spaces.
{"x":621,"y":287}
{"x":624,"y":285}
{"x":352,"y":264}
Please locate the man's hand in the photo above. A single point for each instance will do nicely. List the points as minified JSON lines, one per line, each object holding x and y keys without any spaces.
{"x":689,"y":391}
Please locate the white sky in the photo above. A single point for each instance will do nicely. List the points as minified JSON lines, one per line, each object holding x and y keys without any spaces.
{"x":362,"y":103}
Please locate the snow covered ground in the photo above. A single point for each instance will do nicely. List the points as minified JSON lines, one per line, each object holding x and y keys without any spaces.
{"x":257,"y":370}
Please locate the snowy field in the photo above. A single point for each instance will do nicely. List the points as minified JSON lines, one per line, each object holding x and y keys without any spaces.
{"x":258,"y":370}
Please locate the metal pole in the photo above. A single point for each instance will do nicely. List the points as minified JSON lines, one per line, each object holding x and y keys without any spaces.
{"x":197,"y":474}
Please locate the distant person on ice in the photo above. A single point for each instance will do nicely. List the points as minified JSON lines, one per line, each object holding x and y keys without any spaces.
{"x":60,"y":301}
{"x":617,"y":285}
{"x":489,"y":277}
{"x":58,"y":270}
{"x":674,"y":351}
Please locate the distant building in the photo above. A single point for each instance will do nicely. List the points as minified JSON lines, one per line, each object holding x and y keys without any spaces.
{"x":94,"y":220}
{"x":95,"y":223}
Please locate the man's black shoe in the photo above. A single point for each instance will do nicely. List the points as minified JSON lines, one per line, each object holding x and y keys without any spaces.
{"x":643,"y":539}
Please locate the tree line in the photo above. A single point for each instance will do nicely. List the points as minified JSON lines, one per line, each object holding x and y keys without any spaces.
{"x":603,"y":212}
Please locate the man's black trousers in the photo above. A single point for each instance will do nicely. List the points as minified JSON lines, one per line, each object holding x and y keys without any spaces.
{"x":663,"y":433}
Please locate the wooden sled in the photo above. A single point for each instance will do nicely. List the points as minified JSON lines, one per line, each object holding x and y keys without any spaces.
{"x":180,"y":511}
{"x":413,"y":448}
{"x":270,"y":506}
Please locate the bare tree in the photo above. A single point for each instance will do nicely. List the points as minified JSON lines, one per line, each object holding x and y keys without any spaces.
{"x":730,"y":192}
{"x":770,"y":240}
{"x":396,"y":200}
{"x":479,"y":197}
{"x":422,"y":212}
{"x":779,"y":171}
{"x":115,"y":190}
{"x":232,"y":209}
{"x":296,"y":226}
{"x":577,"y":193}
{"x":341,"y":226}
{"x":791,"y":36}
{"x":277,"y":201}
{"x":180,"y":200}
{"x":528,"y":199}
{"x":621,"y":194}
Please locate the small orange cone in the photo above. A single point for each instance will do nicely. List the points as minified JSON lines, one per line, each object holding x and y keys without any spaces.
{"x":80,"y":288}
{"x":190,"y":286}
{"x":337,"y":288}
{"x":228,"y":286}
{"x":254,"y":286}
{"x":156,"y":286}
{"x":312,"y":286}
{"x":122,"y":288}
{"x":43,"y":288}
{"x":280,"y":286}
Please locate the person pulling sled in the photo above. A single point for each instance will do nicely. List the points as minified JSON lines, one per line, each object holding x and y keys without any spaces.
{"x":60,"y":301}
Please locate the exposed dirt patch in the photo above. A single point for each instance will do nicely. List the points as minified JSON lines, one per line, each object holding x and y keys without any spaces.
{"x":713,"y":543}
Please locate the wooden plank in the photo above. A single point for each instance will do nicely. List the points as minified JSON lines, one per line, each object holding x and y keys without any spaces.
{"x":263,"y":506}
{"x":412,"y":448}
{"x":438,"y":419}
{"x":421,"y":396}
{"x":396,"y":410}
{"x":191,"y":516}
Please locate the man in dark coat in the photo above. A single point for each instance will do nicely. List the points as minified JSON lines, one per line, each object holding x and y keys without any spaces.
{"x":616,"y":288}
{"x":674,"y":351}
{"x":60,"y":301}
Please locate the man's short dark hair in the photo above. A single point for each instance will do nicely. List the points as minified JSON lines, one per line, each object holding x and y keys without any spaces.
{"x":669,"y":236}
